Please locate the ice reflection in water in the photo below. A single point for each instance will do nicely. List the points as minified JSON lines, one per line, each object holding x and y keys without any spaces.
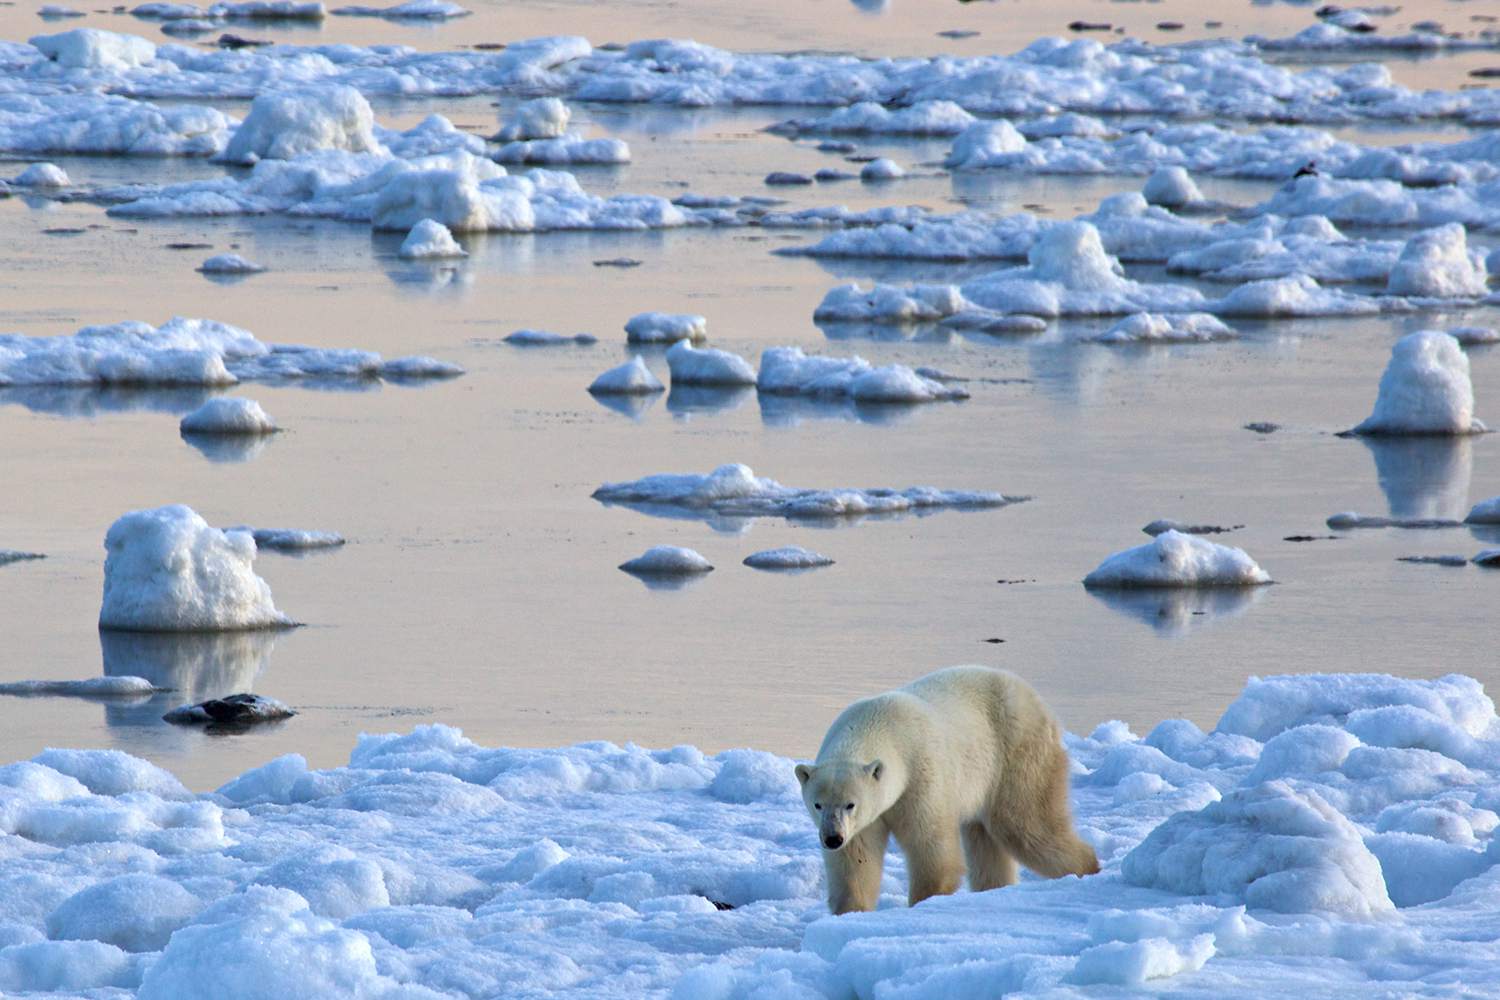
{"x":1179,"y":611}
{"x":195,"y":665}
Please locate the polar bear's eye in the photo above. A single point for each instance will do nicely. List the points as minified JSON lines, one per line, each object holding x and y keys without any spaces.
{"x":849,"y":806}
{"x":817,"y":805}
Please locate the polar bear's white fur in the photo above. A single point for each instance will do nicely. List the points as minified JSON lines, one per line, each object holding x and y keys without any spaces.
{"x":964,"y":767}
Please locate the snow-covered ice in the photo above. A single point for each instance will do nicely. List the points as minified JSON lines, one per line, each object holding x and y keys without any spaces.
{"x":1154,"y":327}
{"x":631,"y":378}
{"x":665,"y":328}
{"x":1176,"y":559}
{"x":691,"y":365}
{"x":735,"y":491}
{"x":569,"y":150}
{"x":42,"y":175}
{"x":667,"y":560}
{"x":787,"y":557}
{"x":1348,"y":520}
{"x":871,"y":118}
{"x":291,"y":539}
{"x":542,"y":118}
{"x":546,"y":338}
{"x":168,"y":570}
{"x":1485,"y":512}
{"x":430,"y":239}
{"x":1439,"y":264}
{"x":229,"y":264}
{"x":881,"y":169}
{"x":92,"y":687}
{"x":1425,"y":389}
{"x":229,"y":415}
{"x":282,"y":125}
{"x":90,"y":48}
{"x":787,"y":371}
{"x":1172,"y":187}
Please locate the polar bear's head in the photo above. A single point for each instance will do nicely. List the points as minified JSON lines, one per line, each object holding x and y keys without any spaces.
{"x":842,"y":797}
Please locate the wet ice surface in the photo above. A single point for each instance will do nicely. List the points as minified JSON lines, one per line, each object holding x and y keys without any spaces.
{"x":480,"y":587}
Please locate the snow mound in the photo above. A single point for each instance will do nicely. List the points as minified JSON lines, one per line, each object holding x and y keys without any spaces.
{"x":1174,"y":559}
{"x":691,"y":365}
{"x":1272,"y":846}
{"x":167,"y":570}
{"x":543,"y":118}
{"x":665,"y":328}
{"x":1439,"y":264}
{"x":1485,"y":512}
{"x":787,"y":371}
{"x":1171,"y":187}
{"x":1425,"y":389}
{"x":546,"y":338}
{"x":428,"y":239}
{"x":42,"y":175}
{"x":984,"y":143}
{"x":1270,"y":706}
{"x":881,"y":169}
{"x":735,"y":490}
{"x":282,"y":125}
{"x":90,"y":48}
{"x":1155,"y":327}
{"x":229,"y":263}
{"x":631,"y":378}
{"x":788,"y":557}
{"x":92,"y":687}
{"x":230,"y":710}
{"x":667,"y":560}
{"x":229,"y":416}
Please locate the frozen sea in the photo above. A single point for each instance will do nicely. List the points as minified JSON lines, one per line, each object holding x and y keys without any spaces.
{"x":478,"y":587}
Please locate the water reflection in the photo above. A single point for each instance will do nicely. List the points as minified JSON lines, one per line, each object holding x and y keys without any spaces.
{"x":88,"y":402}
{"x":228,"y":448}
{"x":195,"y":665}
{"x":1424,"y":477}
{"x":688,"y":399}
{"x":790,"y":411}
{"x":633,"y":405}
{"x":666,"y":581}
{"x":922,"y":333}
{"x":1179,"y":611}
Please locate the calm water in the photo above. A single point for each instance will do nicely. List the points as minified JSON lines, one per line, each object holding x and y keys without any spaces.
{"x":479,"y":587}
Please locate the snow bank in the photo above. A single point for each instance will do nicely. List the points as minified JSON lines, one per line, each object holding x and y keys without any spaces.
{"x":788,"y":557}
{"x":1153,"y":327}
{"x":631,"y":378}
{"x":787,"y":371}
{"x":188,"y":352}
{"x":735,"y":490}
{"x":1439,"y":264}
{"x":167,"y":570}
{"x":229,"y":416}
{"x":430,"y":239}
{"x":1425,"y":389}
{"x":665,"y":328}
{"x":283,"y":125}
{"x":542,"y":118}
{"x":667,"y":560}
{"x":229,"y":263}
{"x":691,"y":365}
{"x":1174,"y":559}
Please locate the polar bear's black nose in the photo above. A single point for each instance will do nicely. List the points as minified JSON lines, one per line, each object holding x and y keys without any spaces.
{"x":833,"y":841}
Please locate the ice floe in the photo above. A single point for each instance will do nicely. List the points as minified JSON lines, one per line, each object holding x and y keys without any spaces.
{"x":90,"y":48}
{"x":1487,"y":557}
{"x":291,"y":539}
{"x":567,"y":151}
{"x":42,"y":175}
{"x":881,"y":169}
{"x":665,"y":328}
{"x":631,"y":378}
{"x":430,"y":239}
{"x":188,"y":352}
{"x":1176,"y":559}
{"x":1425,"y":389}
{"x":1275,"y":848}
{"x":787,"y":371}
{"x":667,"y":560}
{"x":229,"y":416}
{"x":1154,"y":328}
{"x":234,"y":710}
{"x":1350,"y":519}
{"x":1485,"y":512}
{"x":411,"y":10}
{"x":283,"y":125}
{"x":790,"y":557}
{"x":691,"y":365}
{"x":8,"y":556}
{"x":168,"y":570}
{"x":92,"y":123}
{"x":542,"y":118}
{"x":735,"y":491}
{"x":546,"y":338}
{"x":92,"y":687}
{"x":1171,"y":187}
{"x":1439,"y":264}
{"x":229,"y":264}
{"x":871,"y":118}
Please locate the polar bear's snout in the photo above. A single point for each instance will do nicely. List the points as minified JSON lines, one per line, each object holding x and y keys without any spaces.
{"x":833,"y":840}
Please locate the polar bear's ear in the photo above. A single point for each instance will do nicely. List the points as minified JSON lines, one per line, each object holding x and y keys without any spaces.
{"x":874,"y":769}
{"x":803,"y":773}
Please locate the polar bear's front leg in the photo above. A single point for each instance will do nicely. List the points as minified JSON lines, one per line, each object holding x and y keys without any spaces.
{"x":855,"y":870}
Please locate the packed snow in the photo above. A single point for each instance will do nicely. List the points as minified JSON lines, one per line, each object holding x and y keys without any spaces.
{"x":1177,"y":559}
{"x":735,"y":491}
{"x":667,"y":560}
{"x":195,"y":352}
{"x":168,"y":570}
{"x":632,"y":378}
{"x":1425,"y":389}
{"x":787,"y":557}
{"x":691,"y":365}
{"x":787,"y":371}
{"x":430,"y":239}
{"x":229,"y":416}
{"x":665,"y":328}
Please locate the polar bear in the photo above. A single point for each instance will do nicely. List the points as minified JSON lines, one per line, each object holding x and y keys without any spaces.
{"x":964,"y":767}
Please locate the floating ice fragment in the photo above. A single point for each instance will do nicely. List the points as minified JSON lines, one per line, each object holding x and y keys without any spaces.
{"x":1349,"y":519}
{"x":52,"y":11}
{"x":8,"y":556}
{"x":283,"y":124}
{"x":229,"y":416}
{"x":1471,"y":336}
{"x":1425,"y":389}
{"x":231,"y":710}
{"x":229,"y":263}
{"x":1175,"y":559}
{"x":431,"y":239}
{"x":788,"y":371}
{"x":871,"y":118}
{"x":291,"y":539}
{"x":984,"y":142}
{"x":1488,"y":557}
{"x":881,"y":169}
{"x":90,"y":48}
{"x":1162,"y":525}
{"x":1485,"y":512}
{"x":1171,"y":187}
{"x":1439,"y":264}
{"x":545,"y":338}
{"x":168,"y":570}
{"x":566,"y":151}
{"x":788,"y":557}
{"x":631,"y":378}
{"x":665,"y":328}
{"x":92,"y":687}
{"x":543,"y":118}
{"x":42,"y":175}
{"x":691,"y":365}
{"x":667,"y":560}
{"x":1156,"y":328}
